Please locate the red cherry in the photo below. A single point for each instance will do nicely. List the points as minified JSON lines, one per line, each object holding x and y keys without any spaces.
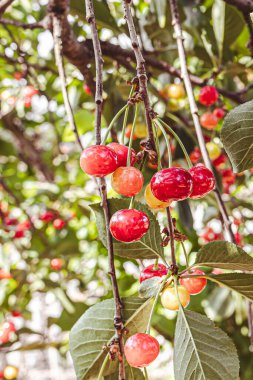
{"x":98,"y":160}
{"x":238,"y":238}
{"x":87,"y":89}
{"x":208,"y":95}
{"x":48,"y":216}
{"x":194,"y":285}
{"x":209,"y":235}
{"x":1,"y":375}
{"x":10,"y":221}
{"x":26,"y":225}
{"x":122,"y":151}
{"x":9,"y":326}
{"x":150,"y":272}
{"x":219,"y":113}
{"x":16,"y":314}
{"x":19,"y":234}
{"x":228,"y":177}
{"x":220,"y":160}
{"x":4,"y":275}
{"x":127,"y":181}
{"x":141,"y":350}
{"x":27,"y":102}
{"x":30,"y":91}
{"x":208,"y":120}
{"x":195,"y":155}
{"x":56,"y":264}
{"x":59,"y":224}
{"x":128,"y":133}
{"x":203,"y":181}
{"x":4,"y":336}
{"x":173,"y":184}
{"x":129,"y":225}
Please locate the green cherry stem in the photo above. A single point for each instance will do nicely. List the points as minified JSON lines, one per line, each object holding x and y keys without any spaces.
{"x":178,"y":140}
{"x":112,"y":123}
{"x":176,"y":287}
{"x":157,"y":122}
{"x":100,"y":375}
{"x":131,"y":205}
{"x":185,"y":254}
{"x":126,"y":116}
{"x":156,"y":264}
{"x":145,"y":373}
{"x":155,"y":302}
{"x":159,"y":166}
{"x":137,"y":107}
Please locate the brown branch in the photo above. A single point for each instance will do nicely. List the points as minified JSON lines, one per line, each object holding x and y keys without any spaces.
{"x":118,"y":321}
{"x":35,"y":25}
{"x":249,"y":24}
{"x":141,"y":70}
{"x":57,"y":32}
{"x":4,"y":5}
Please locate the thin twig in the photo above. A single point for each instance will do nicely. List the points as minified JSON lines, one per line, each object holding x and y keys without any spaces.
{"x":4,"y":5}
{"x":57,"y":31}
{"x":34,"y":25}
{"x":118,"y":321}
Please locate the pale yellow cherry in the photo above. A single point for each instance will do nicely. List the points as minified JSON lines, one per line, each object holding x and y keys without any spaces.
{"x":152,"y":201}
{"x":214,"y":150}
{"x":10,"y":372}
{"x":176,"y":91}
{"x":169,"y":297}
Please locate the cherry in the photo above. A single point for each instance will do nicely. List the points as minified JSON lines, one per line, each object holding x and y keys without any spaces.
{"x":26,"y":225}
{"x":173,"y":184}
{"x":87,"y":89}
{"x":208,"y":95}
{"x":208,"y":120}
{"x":176,"y":91}
{"x":141,"y":350}
{"x":228,"y":176}
{"x":18,"y":75}
{"x":19,"y":234}
{"x":195,"y":155}
{"x":48,"y":216}
{"x":30,"y":91}
{"x":27,"y":102}
{"x":10,"y":372}
{"x":194,"y":285}
{"x":56,"y":264}
{"x":98,"y":160}
{"x":203,"y":181}
{"x":152,"y":201}
{"x":4,"y":336}
{"x":129,"y":225}
{"x":219,"y":113}
{"x":214,"y":150}
{"x":151,"y":271}
{"x":122,"y":152}
{"x":238,"y":238}
{"x":59,"y":224}
{"x":220,"y":160}
{"x":169,"y":297}
{"x":209,"y":235}
{"x":127,"y":181}
{"x":10,"y":221}
{"x":16,"y":314}
{"x":128,"y":132}
{"x":9,"y":326}
{"x":1,"y":375}
{"x":4,"y":275}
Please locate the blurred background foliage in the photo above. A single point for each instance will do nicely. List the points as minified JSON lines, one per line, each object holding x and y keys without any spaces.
{"x":40,"y":174}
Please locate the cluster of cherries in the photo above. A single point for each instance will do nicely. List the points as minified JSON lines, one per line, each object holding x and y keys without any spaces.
{"x":51,"y":216}
{"x":208,"y":96}
{"x":19,"y":228}
{"x":142,"y":349}
{"x":167,"y":185}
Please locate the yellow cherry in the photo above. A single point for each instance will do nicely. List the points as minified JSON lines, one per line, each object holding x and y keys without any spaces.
{"x":10,"y":372}
{"x":152,"y":201}
{"x":213,"y":149}
{"x":169,"y":297}
{"x":176,"y":91}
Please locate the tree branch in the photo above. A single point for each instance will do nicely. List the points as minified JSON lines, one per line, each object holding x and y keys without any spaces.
{"x":4,"y":5}
{"x":249,"y":24}
{"x":35,"y":25}
{"x":118,"y":321}
{"x":57,"y":32}
{"x":242,"y":5}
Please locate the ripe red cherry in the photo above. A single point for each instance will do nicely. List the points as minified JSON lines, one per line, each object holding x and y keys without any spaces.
{"x":208,"y":95}
{"x":19,"y":234}
{"x":4,"y":275}
{"x":4,"y":336}
{"x":1,"y":375}
{"x":195,"y":155}
{"x":220,"y":160}
{"x":122,"y":152}
{"x":203,"y":181}
{"x":9,"y":326}
{"x":228,"y":176}
{"x":150,"y":272}
{"x":87,"y":89}
{"x":173,"y":184}
{"x":127,"y":181}
{"x":48,"y":216}
{"x":56,"y":264}
{"x":219,"y":113}
{"x":16,"y":313}
{"x":10,"y":221}
{"x":141,"y":350}
{"x":208,"y":120}
{"x":129,"y":225}
{"x":194,"y":285}
{"x":59,"y":224}
{"x":27,"y":102}
{"x":98,"y":160}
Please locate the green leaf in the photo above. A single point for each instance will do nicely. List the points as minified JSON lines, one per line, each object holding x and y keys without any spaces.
{"x":138,"y":375}
{"x":150,"y":287}
{"x":237,"y":136}
{"x":95,"y":329}
{"x":203,"y":351}
{"x":225,"y":255}
{"x":218,"y":18}
{"x":148,"y":247}
{"x":239,"y":282}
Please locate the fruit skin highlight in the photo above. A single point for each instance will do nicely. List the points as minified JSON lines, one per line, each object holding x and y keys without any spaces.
{"x":194,"y":285}
{"x":141,"y":350}
{"x":129,"y":225}
{"x":98,"y":160}
{"x":169,"y":297}
{"x":127,"y":181}
{"x":150,"y":272}
{"x":172,"y":184}
{"x":203,"y":181}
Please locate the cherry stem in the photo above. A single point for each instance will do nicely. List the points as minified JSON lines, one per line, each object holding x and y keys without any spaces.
{"x":131,"y":372}
{"x":100,"y":375}
{"x":179,"y":142}
{"x":159,"y":165}
{"x":157,"y":122}
{"x":131,"y":205}
{"x":113,"y":121}
{"x":137,"y":107}
{"x":185,"y":255}
{"x":172,"y":245}
{"x":176,"y":288}
{"x":155,"y":302}
{"x":156,"y":264}
{"x":126,"y":117}
{"x":145,"y":373}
